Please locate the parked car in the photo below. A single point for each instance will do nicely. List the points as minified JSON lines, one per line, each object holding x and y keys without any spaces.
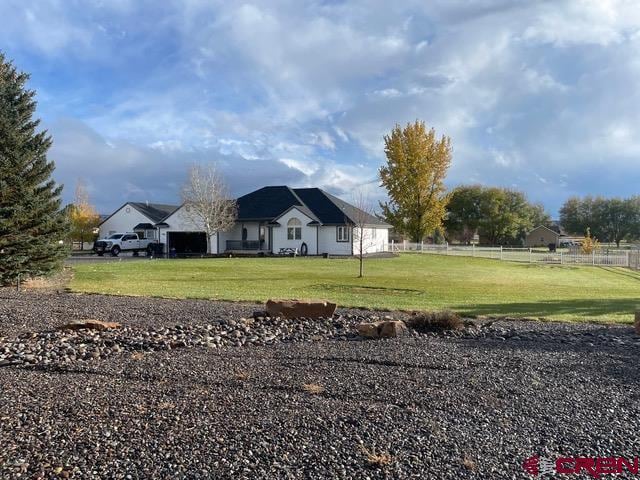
{"x":122,"y":242}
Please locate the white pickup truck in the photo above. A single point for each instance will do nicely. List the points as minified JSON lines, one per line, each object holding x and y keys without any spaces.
{"x":121,"y":242}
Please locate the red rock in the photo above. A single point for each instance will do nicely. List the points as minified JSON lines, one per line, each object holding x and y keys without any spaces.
{"x":300,"y":309}
{"x":383,"y":329}
{"x":89,"y":324}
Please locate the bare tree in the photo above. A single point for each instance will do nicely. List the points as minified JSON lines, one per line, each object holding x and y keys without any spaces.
{"x":363,"y":229}
{"x":207,"y":201}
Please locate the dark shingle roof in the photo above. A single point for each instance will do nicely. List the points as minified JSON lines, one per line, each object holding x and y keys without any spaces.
{"x":268,"y":203}
{"x":332,"y":210}
{"x":154,"y":211}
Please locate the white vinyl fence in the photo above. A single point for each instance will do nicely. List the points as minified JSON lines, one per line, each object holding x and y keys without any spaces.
{"x":620,"y":258}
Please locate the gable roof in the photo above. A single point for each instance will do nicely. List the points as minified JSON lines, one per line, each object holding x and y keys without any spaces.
{"x":545,"y":228}
{"x":269,"y":203}
{"x":266,"y":203}
{"x":153,"y":211}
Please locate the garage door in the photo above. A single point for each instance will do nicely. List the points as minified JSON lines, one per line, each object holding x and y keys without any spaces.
{"x":189,"y":243}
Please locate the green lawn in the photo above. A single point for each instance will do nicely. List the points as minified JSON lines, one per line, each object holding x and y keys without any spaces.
{"x":469,"y":286}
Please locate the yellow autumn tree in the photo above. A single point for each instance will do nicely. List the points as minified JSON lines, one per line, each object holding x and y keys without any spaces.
{"x":82,"y":215}
{"x":417,"y":164}
{"x":589,"y":244}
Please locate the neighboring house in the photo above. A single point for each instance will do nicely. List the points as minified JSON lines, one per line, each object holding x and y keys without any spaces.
{"x":544,"y":236}
{"x":139,"y":217}
{"x":275,"y":218}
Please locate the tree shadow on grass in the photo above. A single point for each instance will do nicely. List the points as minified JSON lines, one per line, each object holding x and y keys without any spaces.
{"x":587,"y":309}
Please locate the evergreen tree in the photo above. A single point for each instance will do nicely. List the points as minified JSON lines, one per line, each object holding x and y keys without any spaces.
{"x":31,"y":221}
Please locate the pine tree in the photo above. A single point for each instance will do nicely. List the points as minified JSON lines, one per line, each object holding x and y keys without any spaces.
{"x":32,"y":224}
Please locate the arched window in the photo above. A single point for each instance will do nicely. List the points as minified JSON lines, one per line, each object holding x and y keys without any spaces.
{"x":294,"y":229}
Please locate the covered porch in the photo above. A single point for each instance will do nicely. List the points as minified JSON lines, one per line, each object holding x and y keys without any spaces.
{"x":250,"y":238}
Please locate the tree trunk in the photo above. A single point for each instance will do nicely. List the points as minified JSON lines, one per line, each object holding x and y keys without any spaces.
{"x":361,"y":254}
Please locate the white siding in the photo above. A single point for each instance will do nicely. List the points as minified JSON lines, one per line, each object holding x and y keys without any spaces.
{"x":328,"y":242}
{"x":123,"y":221}
{"x":179,"y":221}
{"x":308,"y":233}
{"x":375,"y":240}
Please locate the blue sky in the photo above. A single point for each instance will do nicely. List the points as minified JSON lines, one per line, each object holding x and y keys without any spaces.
{"x":543,"y":96}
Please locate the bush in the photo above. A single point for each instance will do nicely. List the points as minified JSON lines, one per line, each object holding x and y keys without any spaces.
{"x":435,"y":321}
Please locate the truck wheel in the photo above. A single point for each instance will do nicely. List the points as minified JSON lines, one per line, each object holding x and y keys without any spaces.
{"x":115,"y":251}
{"x":150,"y":251}
{"x":100,"y":254}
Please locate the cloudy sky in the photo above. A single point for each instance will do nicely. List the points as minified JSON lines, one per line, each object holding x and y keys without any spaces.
{"x":539,"y":95}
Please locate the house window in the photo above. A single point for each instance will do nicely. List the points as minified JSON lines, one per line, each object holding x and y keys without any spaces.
{"x":294,"y":229}
{"x":342,"y":234}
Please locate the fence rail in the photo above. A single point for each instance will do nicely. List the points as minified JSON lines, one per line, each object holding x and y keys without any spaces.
{"x":619,"y":258}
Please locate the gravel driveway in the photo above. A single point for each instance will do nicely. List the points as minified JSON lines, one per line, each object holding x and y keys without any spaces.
{"x":312,"y":402}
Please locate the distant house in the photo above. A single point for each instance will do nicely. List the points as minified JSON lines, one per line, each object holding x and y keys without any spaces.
{"x":139,"y":217}
{"x":543,"y":236}
{"x":270,"y":220}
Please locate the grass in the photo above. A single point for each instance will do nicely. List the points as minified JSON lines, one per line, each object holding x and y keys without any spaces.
{"x":468,"y":286}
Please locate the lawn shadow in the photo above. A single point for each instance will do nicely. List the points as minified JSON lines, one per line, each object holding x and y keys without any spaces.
{"x":365,"y":289}
{"x":586,"y":309}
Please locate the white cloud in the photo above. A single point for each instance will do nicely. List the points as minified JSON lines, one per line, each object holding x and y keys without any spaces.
{"x":526,"y":90}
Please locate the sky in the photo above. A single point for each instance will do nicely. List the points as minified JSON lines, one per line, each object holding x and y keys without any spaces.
{"x":541,"y":96}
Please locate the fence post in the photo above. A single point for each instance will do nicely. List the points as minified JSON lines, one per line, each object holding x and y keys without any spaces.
{"x":593,"y":257}
{"x":530,"y":256}
{"x":628,"y":265}
{"x":473,"y":249}
{"x":561,"y":260}
{"x":500,"y":252}
{"x":392,"y":245}
{"x":421,"y":246}
{"x":446,"y":248}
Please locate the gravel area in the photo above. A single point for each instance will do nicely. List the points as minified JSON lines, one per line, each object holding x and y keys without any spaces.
{"x":188,"y":389}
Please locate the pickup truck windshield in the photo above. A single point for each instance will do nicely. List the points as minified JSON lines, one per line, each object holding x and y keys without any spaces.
{"x":117,"y":236}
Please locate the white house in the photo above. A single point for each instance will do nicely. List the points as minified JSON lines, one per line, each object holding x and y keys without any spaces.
{"x":272,"y":220}
{"x":139,"y":217}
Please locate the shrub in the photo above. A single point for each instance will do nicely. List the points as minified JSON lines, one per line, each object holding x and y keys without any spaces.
{"x":435,"y":321}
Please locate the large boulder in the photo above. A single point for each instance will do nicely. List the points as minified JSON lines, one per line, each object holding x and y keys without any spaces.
{"x":368,"y":330}
{"x":383,"y":329}
{"x":89,"y":324}
{"x":300,"y":309}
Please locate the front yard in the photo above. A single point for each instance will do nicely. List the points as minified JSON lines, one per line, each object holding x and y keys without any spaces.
{"x":410,"y":282}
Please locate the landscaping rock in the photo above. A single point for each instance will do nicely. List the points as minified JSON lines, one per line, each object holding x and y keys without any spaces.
{"x":392,"y":329}
{"x":90,"y":324}
{"x":369,"y":330}
{"x":383,"y":329}
{"x":300,"y":309}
